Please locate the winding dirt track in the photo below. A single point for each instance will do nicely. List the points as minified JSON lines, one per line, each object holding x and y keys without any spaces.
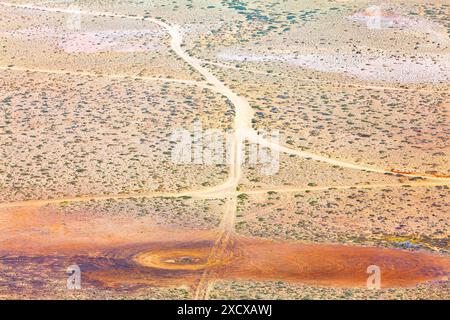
{"x":221,"y":250}
{"x":210,"y":193}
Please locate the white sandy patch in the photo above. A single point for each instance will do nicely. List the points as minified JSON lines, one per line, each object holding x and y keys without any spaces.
{"x":384,"y":68}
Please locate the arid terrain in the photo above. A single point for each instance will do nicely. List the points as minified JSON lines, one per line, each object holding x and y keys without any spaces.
{"x":316,"y":148}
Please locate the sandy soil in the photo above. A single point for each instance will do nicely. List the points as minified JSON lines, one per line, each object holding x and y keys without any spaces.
{"x":179,"y":238}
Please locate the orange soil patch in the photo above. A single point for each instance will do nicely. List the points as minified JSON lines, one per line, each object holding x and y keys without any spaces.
{"x":258,"y":259}
{"x":177,"y":259}
{"x":41,"y":231}
{"x":115,"y":251}
{"x":434,"y":174}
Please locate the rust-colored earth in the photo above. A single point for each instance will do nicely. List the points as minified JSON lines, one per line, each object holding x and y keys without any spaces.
{"x":431,"y":174}
{"x":114,"y":252}
{"x":257,"y":259}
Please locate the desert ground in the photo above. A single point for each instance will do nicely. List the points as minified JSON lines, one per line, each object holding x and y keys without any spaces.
{"x":92,"y":92}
